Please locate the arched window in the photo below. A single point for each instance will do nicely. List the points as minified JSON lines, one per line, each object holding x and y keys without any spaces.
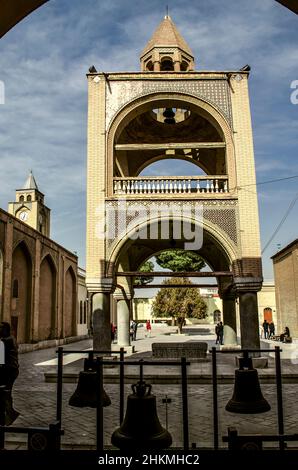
{"x":29,"y":198}
{"x":21,"y":199}
{"x":166,"y":65}
{"x":15,"y":289}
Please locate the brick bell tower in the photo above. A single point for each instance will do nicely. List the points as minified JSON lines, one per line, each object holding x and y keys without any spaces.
{"x":29,"y":207}
{"x":169,"y":111}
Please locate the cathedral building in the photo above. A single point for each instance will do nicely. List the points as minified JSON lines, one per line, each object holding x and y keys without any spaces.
{"x":42,"y":294}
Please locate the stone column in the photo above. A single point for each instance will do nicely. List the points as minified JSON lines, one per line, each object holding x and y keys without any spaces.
{"x":101,"y":321}
{"x":247,"y":289}
{"x":123,"y":321}
{"x":229,"y":319}
{"x":249,"y":320}
{"x":177,"y":65}
{"x":156,"y":66}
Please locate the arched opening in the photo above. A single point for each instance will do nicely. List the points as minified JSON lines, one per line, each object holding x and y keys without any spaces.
{"x":29,"y":198}
{"x":171,"y":128}
{"x":184,"y":66}
{"x":70,"y":303}
{"x":149,"y":66}
{"x":21,"y":199}
{"x":47,"y":299}
{"x":166,"y":64}
{"x":21,"y":306}
{"x":174,"y":231}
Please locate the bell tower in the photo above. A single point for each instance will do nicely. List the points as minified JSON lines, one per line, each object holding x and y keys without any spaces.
{"x":29,"y":207}
{"x":169,"y":112}
{"x":167,"y":51}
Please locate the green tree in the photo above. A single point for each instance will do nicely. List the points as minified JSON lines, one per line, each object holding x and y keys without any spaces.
{"x":180,"y":260}
{"x":179,"y":302}
{"x":148,"y":266}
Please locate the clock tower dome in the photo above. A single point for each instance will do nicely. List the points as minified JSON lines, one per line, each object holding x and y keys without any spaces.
{"x":29,"y":207}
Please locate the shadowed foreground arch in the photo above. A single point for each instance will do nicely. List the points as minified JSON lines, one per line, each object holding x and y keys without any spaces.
{"x":13,"y":11}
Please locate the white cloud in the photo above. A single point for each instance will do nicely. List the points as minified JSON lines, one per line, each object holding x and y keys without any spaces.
{"x":43,"y":62}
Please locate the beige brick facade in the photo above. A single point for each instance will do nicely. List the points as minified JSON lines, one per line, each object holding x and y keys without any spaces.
{"x":170,"y":111}
{"x":38,"y":283}
{"x":285,"y":264}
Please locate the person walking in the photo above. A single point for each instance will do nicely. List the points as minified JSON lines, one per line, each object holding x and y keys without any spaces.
{"x":148,"y":328}
{"x":271,"y":329}
{"x":9,"y":372}
{"x":266,"y":329}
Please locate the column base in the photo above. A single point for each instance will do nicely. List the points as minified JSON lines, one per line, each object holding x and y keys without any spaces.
{"x":260,"y":362}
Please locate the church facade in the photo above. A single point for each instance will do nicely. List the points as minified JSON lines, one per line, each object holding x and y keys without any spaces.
{"x":169,"y":111}
{"x":39,"y":279}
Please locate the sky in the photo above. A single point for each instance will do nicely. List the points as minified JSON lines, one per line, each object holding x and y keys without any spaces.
{"x":43,"y":65}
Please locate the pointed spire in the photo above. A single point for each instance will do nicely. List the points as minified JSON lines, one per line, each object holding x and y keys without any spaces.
{"x":30,"y":182}
{"x":167,"y":34}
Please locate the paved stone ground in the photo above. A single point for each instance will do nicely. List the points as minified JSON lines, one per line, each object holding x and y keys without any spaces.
{"x":36,"y":400}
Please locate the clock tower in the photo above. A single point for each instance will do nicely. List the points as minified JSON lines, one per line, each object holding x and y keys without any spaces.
{"x":29,"y":207}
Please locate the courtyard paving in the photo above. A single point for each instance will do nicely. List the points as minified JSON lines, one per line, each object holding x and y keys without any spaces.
{"x":35,"y":398}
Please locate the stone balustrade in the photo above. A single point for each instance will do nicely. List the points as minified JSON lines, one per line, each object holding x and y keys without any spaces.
{"x":171,"y":185}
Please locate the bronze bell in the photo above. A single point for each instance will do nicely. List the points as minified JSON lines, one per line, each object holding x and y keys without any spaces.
{"x":247,"y":397}
{"x":86,"y":393}
{"x":169,"y":116}
{"x":141,"y":428}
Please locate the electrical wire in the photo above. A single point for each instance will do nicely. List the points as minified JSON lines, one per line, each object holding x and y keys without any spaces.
{"x":265,"y":182}
{"x":292,"y":204}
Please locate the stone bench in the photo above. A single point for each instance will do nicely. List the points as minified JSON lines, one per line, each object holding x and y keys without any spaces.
{"x":191,"y":350}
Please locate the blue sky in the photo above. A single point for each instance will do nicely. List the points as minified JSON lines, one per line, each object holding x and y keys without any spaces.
{"x":43,"y":62}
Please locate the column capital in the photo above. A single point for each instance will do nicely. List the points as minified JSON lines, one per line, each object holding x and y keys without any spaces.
{"x":247,"y":284}
{"x":101,"y":286}
{"x":123,"y":295}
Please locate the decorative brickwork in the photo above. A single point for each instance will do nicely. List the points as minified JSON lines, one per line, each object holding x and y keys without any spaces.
{"x":222,"y":214}
{"x":215,"y":92}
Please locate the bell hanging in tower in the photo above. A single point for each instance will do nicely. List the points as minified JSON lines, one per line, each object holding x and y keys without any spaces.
{"x":141,"y":428}
{"x":247,"y":397}
{"x":169,"y":116}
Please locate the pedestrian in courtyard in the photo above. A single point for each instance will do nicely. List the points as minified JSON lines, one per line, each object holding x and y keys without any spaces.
{"x":113,"y":332}
{"x":9,"y":371}
{"x":148,"y":328}
{"x":285,"y":336}
{"x":131,"y":330}
{"x":271,"y":329}
{"x":135,"y":327}
{"x":266,"y":329}
{"x":220,"y":332}
{"x":217,"y":341}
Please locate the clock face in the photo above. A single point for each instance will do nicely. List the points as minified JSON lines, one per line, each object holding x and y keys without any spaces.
{"x":23,"y":215}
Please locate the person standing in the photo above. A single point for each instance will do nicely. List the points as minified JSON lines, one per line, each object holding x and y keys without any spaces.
{"x":135,"y":327}
{"x":271,"y":329}
{"x":266,"y":329}
{"x":220,"y":332}
{"x":217,"y":334}
{"x":9,"y":371}
{"x":148,"y":328}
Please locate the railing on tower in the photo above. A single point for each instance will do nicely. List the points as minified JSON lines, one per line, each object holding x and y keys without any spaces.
{"x":171,"y":185}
